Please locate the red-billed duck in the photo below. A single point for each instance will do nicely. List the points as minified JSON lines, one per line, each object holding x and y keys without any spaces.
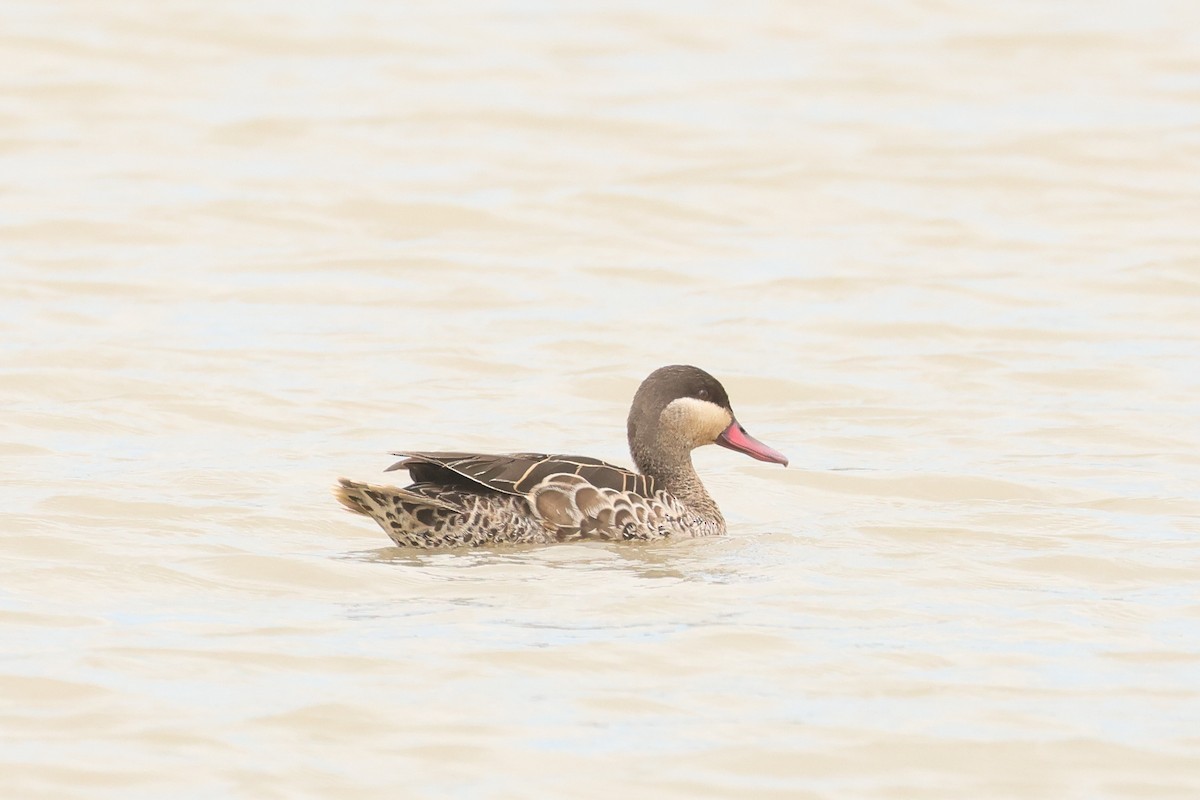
{"x":463,"y":499}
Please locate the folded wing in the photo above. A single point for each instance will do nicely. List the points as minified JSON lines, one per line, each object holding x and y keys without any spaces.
{"x":518,"y":473}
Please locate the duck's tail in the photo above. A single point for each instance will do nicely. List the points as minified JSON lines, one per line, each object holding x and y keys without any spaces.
{"x":375,"y":501}
{"x":352,"y":495}
{"x":412,"y":517}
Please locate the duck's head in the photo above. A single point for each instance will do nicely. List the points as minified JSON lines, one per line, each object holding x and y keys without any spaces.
{"x":680,"y":408}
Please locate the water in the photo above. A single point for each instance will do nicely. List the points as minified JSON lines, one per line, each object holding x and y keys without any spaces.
{"x":942,"y":256}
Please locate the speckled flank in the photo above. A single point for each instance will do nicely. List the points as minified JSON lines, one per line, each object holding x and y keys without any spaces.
{"x":473,"y":519}
{"x":562,"y":508}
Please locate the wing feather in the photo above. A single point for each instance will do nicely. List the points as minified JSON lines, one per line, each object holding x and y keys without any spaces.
{"x":519,"y":473}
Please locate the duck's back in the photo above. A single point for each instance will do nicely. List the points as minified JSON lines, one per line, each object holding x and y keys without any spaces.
{"x":517,"y":473}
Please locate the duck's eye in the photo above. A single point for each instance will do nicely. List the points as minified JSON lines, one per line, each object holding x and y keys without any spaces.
{"x":702,"y":394}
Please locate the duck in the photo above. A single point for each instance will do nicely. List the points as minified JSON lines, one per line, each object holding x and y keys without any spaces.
{"x":462,"y":499}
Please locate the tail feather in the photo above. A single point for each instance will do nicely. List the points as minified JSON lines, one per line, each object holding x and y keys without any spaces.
{"x":349,"y":494}
{"x":365,"y":498}
{"x":416,"y":516}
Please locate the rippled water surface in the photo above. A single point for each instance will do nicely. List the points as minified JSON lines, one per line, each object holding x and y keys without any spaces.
{"x":946,"y":256}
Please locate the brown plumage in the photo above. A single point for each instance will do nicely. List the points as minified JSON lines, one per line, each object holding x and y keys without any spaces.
{"x":472,"y":498}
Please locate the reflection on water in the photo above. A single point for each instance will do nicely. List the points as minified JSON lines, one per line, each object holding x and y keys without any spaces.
{"x":943,"y":257}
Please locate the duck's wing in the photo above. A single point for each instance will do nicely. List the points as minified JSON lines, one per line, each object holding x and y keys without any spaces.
{"x":518,"y":473}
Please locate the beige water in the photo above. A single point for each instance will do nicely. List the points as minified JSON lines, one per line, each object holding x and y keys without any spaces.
{"x":946,"y":256}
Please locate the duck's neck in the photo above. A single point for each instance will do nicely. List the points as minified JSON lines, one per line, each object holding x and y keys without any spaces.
{"x":673,"y":472}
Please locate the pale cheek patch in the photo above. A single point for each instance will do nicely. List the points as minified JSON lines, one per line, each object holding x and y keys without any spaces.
{"x":697,"y":420}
